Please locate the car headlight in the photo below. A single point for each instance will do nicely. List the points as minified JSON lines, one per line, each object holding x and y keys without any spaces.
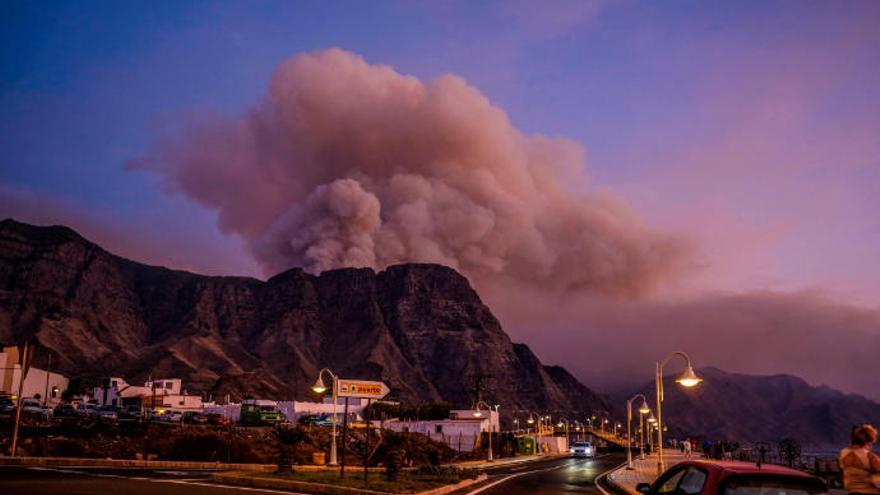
{"x":571,"y":450}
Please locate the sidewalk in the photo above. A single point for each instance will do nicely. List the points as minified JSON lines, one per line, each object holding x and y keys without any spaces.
{"x":644,"y":471}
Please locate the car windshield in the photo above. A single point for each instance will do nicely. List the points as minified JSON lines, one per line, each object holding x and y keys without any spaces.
{"x":582,"y":445}
{"x":267,"y":409}
{"x":771,"y":485}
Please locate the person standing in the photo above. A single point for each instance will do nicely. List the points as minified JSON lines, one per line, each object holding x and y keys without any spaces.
{"x":860,"y":466}
{"x":687,"y":449}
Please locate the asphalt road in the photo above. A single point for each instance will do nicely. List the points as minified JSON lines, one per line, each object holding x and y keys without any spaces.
{"x":73,"y":481}
{"x":559,"y":476}
{"x":555,"y":476}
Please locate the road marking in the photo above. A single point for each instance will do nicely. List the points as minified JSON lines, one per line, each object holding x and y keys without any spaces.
{"x":511,"y":476}
{"x":178,"y":481}
{"x":228,"y":487}
{"x":597,"y":482}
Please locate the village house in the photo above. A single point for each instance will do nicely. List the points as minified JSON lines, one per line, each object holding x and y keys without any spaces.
{"x":38,"y":383}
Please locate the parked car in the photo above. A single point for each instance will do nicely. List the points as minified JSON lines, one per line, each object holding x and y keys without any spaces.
{"x":316,"y":421}
{"x":107,"y":412}
{"x":88,"y":410}
{"x":65,"y":411}
{"x":582,"y":449}
{"x":194,"y":417}
{"x":218,"y":419}
{"x":130,"y":412}
{"x":732,"y":478}
{"x":174,"y":416}
{"x":32,"y":407}
{"x":7,"y":405}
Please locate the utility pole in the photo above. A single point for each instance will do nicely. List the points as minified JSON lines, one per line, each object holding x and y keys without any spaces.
{"x":477,"y":389}
{"x":25,"y":365}
{"x":48,"y":372}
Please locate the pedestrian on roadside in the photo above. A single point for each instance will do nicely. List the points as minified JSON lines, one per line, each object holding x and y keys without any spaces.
{"x":860,"y":466}
{"x":687,"y":448}
{"x":681,"y":445}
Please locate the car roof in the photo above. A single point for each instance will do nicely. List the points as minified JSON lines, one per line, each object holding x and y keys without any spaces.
{"x":738,"y":467}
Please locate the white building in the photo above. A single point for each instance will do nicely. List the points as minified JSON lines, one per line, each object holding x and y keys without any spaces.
{"x":294,"y":410}
{"x":461,"y":431}
{"x":166,"y":392}
{"x":46,"y":385}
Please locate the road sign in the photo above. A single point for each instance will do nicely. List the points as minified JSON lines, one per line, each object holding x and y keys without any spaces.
{"x":362,"y":388}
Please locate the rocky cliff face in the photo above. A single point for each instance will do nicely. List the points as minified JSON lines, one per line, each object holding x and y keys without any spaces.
{"x":753,"y":408}
{"x":421,"y":328}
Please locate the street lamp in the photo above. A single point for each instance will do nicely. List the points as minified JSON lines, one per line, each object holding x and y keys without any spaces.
{"x":564,"y":422}
{"x":687,"y":379}
{"x":643,"y":409}
{"x":643,"y":425}
{"x":478,"y":413}
{"x":320,"y":388}
{"x":533,"y":418}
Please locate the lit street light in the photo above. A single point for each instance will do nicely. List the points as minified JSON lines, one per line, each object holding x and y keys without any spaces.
{"x":687,"y":379}
{"x":534,"y":419}
{"x":320,"y":388}
{"x":643,"y":409}
{"x":478,"y":413}
{"x":564,"y":422}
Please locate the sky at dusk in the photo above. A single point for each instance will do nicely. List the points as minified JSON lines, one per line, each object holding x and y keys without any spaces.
{"x":718,"y":161}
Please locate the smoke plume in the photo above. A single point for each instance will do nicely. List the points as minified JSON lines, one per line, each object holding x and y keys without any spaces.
{"x":349,"y":164}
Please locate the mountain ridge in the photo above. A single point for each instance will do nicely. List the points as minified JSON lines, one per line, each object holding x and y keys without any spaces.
{"x":762,"y":408}
{"x":421,"y":327}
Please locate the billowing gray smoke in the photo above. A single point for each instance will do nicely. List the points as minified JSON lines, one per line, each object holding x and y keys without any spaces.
{"x":349,"y":164}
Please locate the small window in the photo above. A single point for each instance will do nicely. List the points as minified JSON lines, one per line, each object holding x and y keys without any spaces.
{"x":692,"y":482}
{"x":670,"y":481}
{"x":438,"y":428}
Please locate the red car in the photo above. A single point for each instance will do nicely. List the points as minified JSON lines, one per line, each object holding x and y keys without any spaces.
{"x":732,"y":478}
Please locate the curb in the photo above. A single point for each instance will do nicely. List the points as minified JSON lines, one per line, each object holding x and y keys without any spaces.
{"x":485,"y":465}
{"x":130,"y":463}
{"x":442,"y":490}
{"x":276,"y":484}
{"x":609,"y":480}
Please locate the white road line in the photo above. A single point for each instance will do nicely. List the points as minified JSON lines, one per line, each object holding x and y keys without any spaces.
{"x":228,"y":487}
{"x":178,"y":481}
{"x":510,"y":477}
{"x":606,"y":473}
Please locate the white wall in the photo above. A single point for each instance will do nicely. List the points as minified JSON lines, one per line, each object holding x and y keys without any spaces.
{"x":35,"y":383}
{"x":293,"y":410}
{"x":459,"y":434}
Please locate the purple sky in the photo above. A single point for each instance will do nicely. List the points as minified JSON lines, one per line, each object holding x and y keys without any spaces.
{"x":751,"y":129}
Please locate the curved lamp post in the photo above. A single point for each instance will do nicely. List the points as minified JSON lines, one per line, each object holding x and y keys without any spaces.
{"x":564,"y":422}
{"x":642,"y":428}
{"x":534,"y":419}
{"x":478,"y":413}
{"x":320,"y":388}
{"x":643,"y":409}
{"x":687,"y":379}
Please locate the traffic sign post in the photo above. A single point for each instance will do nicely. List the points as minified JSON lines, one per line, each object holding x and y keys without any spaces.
{"x":363,"y":389}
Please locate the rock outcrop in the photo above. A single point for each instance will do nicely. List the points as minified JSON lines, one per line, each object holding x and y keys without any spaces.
{"x":419,"y":327}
